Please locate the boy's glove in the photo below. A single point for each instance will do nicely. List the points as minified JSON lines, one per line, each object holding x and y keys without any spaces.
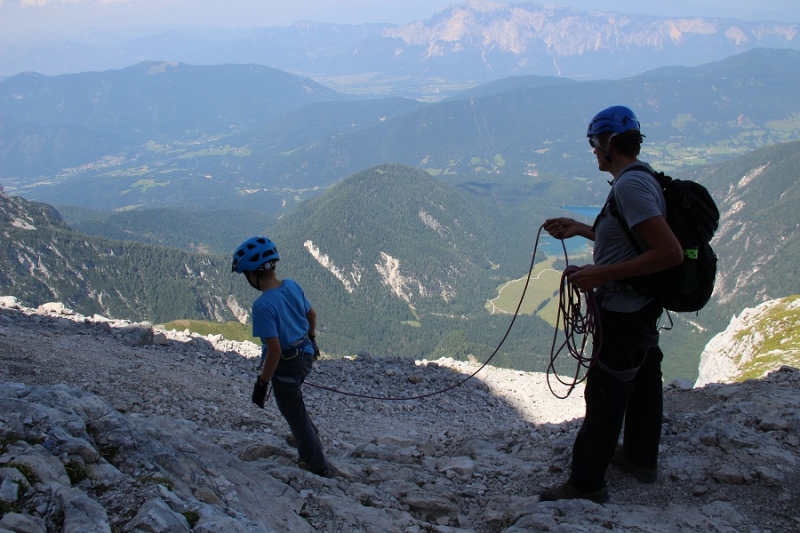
{"x":260,"y":391}
{"x":316,"y":349}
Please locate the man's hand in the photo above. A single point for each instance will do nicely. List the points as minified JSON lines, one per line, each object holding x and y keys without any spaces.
{"x":561,"y":228}
{"x":589,"y":277}
{"x":260,"y":391}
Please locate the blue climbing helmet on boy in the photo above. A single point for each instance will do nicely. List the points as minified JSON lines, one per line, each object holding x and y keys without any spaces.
{"x":615,"y":119}
{"x":254,"y":254}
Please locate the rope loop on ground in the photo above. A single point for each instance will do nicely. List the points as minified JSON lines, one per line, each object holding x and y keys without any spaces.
{"x":577,"y":313}
{"x":461,"y":382}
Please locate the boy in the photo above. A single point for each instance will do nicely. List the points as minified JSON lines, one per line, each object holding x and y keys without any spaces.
{"x":285,"y":322}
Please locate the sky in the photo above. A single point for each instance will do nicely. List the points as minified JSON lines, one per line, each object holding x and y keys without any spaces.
{"x":32,"y":18}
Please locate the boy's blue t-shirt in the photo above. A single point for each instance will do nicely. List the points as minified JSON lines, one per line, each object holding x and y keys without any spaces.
{"x":281,"y":312}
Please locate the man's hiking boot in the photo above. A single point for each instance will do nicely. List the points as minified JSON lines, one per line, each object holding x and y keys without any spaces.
{"x":568,"y":491}
{"x":644,"y":474}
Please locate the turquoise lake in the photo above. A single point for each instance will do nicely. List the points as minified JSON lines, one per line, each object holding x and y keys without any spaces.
{"x":576,"y":245}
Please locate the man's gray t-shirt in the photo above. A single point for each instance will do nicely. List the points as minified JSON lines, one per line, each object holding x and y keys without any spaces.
{"x":639,"y":198}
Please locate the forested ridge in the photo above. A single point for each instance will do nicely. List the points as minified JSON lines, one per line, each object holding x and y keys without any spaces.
{"x":454,"y":243}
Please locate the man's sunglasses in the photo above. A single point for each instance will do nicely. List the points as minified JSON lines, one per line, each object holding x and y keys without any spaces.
{"x":594,"y":141}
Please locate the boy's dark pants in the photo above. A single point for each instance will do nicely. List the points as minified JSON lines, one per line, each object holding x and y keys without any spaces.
{"x":627,"y":339}
{"x":289,"y":398}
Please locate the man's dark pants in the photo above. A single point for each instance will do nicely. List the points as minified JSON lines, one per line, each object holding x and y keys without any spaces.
{"x":627,"y":342}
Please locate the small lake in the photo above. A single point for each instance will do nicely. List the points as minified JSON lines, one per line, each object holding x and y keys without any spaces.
{"x":589,"y":212}
{"x":576,"y":245}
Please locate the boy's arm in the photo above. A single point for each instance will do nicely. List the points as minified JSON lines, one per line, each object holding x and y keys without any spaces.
{"x":311,"y":316}
{"x":273,"y":358}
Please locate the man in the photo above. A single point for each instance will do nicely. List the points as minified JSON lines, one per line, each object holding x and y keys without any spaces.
{"x":624,"y":382}
{"x":286,"y":323}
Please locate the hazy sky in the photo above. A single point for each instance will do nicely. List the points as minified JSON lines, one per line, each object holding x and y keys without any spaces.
{"x":20,"y":18}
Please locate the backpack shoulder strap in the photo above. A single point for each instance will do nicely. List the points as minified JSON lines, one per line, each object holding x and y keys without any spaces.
{"x":611,"y":205}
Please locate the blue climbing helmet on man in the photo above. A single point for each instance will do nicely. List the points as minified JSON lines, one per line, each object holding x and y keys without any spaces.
{"x":615,"y":119}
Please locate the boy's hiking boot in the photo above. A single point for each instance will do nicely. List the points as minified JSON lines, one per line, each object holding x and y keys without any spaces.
{"x":325,"y":472}
{"x":568,"y":491}
{"x":642,"y":473}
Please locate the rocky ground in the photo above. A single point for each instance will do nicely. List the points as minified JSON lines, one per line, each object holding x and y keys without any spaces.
{"x":114,"y":426}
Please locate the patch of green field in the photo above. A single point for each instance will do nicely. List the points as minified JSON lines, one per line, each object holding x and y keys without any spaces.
{"x":145,"y":185}
{"x":682,"y":121}
{"x":789,"y":125}
{"x":130,"y":207}
{"x":542,"y":294}
{"x":549,"y":313}
{"x":543,"y":284}
{"x":127,"y":172}
{"x":234,"y":331}
{"x":218,"y":151}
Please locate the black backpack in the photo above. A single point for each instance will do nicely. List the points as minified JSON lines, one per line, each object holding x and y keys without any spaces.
{"x":693,"y":217}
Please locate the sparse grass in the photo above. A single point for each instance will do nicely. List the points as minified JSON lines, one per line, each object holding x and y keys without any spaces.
{"x":108,"y":451}
{"x":366,"y":501}
{"x":160,"y":480}
{"x":765,"y":363}
{"x":8,"y":507}
{"x":779,"y":331}
{"x":192,"y":517}
{"x":76,"y":471}
{"x":26,"y":470}
{"x":11,"y":438}
{"x":5,"y":440}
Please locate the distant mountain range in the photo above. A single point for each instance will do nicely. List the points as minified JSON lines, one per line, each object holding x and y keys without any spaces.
{"x":158,"y":135}
{"x":459,"y":46}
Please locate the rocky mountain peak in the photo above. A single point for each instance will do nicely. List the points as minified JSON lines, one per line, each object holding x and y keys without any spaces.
{"x":529,"y":32}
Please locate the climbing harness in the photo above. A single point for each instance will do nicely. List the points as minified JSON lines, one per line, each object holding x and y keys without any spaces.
{"x":578,"y":327}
